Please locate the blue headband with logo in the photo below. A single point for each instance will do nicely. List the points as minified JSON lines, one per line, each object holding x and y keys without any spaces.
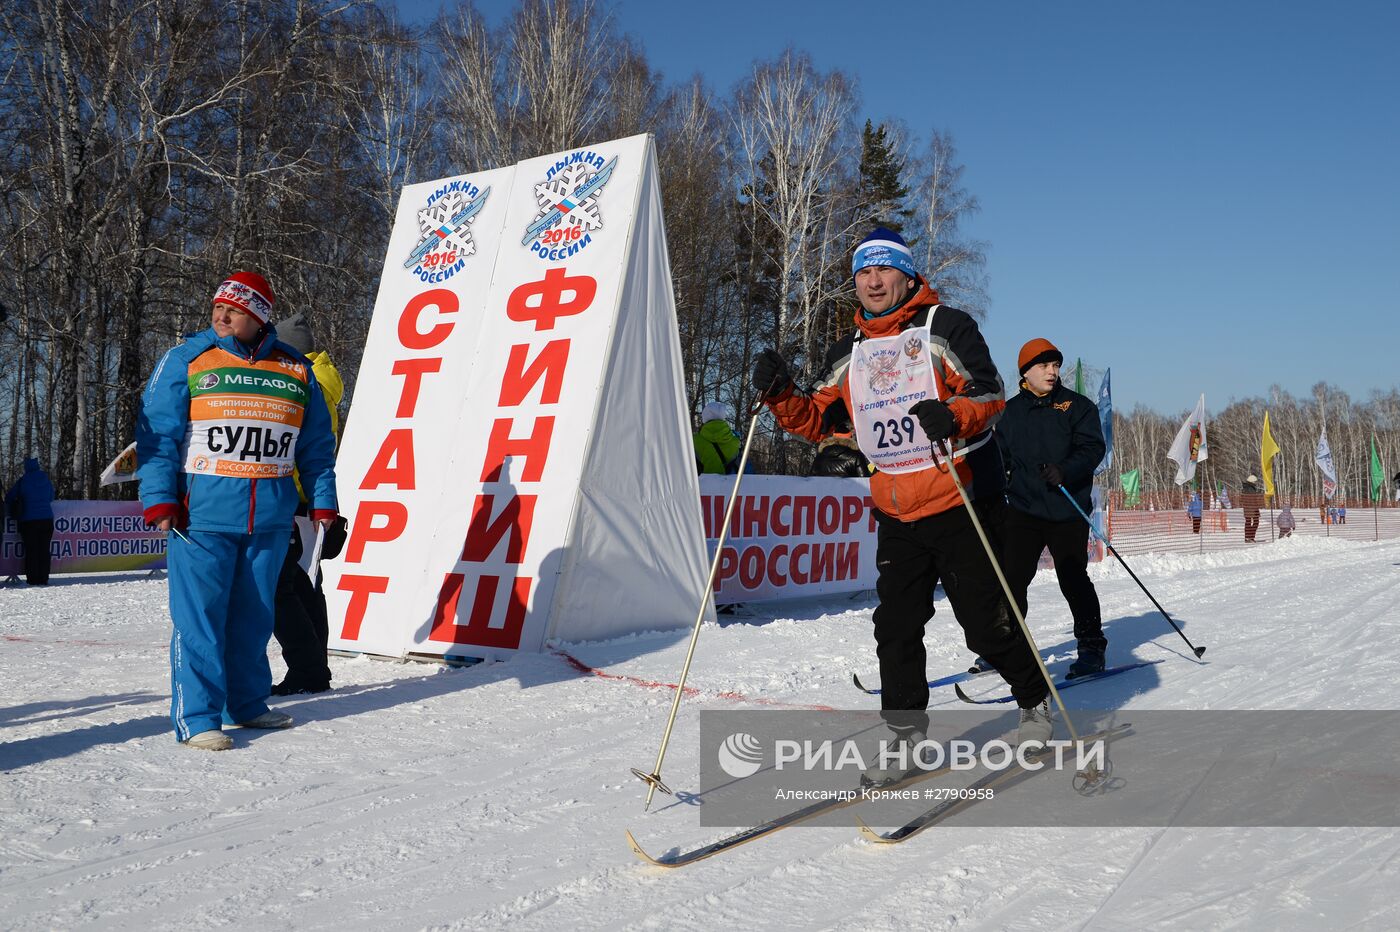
{"x":884,"y":247}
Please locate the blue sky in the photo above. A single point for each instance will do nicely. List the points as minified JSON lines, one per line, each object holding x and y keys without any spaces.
{"x":1203,"y":196}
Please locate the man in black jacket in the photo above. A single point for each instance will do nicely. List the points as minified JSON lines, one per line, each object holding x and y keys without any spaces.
{"x":1050,"y":437}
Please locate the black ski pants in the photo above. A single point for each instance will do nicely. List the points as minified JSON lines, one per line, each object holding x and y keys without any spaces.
{"x":1024,"y":536}
{"x":911,"y":557}
{"x":36,"y":536}
{"x":301,"y":625}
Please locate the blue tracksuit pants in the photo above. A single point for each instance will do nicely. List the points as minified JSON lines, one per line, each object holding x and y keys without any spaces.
{"x":222,"y":592}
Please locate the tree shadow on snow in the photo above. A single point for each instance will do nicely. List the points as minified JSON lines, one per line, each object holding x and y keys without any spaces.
{"x":28,"y":751}
{"x":524,"y":670}
{"x":800,"y":608}
{"x":67,"y":708}
{"x":64,"y":580}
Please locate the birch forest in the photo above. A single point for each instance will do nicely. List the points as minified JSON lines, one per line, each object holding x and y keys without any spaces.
{"x":148,"y":148}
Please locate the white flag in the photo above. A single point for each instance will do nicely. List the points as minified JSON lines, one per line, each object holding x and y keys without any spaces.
{"x":121,"y":469}
{"x":1189,"y":447}
{"x":1324,"y":463}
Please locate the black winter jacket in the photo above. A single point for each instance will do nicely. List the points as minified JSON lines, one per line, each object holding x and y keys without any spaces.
{"x":1061,"y":428}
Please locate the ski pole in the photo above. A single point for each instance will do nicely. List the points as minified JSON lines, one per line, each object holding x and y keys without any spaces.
{"x":1198,"y":651}
{"x":653,"y":779}
{"x":1010,"y":599}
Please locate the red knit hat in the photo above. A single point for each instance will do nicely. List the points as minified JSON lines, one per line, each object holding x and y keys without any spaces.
{"x":1037,"y":351}
{"x":247,"y":291}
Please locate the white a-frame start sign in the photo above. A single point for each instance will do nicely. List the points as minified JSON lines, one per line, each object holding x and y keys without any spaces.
{"x":517,"y":461}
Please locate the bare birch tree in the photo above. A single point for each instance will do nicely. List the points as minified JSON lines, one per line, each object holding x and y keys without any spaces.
{"x":792,"y":131}
{"x":953,"y":265}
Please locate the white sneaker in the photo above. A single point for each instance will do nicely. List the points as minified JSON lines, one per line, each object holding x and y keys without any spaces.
{"x":894,"y":756}
{"x":211,"y":740}
{"x":1036,"y":725}
{"x":269,"y":719}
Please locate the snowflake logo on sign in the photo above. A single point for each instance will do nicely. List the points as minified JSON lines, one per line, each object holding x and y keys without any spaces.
{"x":568,"y":212}
{"x":445,"y":231}
{"x":883,"y":376}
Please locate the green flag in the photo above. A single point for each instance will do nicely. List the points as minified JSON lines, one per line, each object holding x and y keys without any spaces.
{"x":1079,"y":376}
{"x":1377,"y":473}
{"x":1132,"y":488}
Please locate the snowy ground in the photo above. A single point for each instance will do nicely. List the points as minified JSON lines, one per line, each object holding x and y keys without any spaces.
{"x":416,"y":796}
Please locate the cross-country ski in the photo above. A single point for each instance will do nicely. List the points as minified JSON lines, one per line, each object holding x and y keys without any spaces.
{"x":1060,"y":684}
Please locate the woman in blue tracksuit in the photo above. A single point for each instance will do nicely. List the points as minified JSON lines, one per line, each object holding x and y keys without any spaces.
{"x":225,"y":419}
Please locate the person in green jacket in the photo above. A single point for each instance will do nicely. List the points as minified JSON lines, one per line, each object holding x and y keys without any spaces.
{"x":716,"y":444}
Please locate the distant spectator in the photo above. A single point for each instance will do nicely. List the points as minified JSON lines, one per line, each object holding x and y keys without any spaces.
{"x":717,"y":447}
{"x":1286,"y":522}
{"x":1341,"y":514}
{"x":1251,"y":500}
{"x":30,"y":503}
{"x":1193,"y":508}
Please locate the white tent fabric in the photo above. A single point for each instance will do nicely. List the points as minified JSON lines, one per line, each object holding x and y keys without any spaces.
{"x":561,"y":499}
{"x":636,"y":557}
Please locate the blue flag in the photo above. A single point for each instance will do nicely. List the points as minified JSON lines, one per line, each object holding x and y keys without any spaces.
{"x":1106,"y":422}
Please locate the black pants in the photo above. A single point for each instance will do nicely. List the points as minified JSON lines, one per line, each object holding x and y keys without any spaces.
{"x":1024,"y":536}
{"x":36,"y":536}
{"x":911,"y":558}
{"x":301,"y":625}
{"x":1251,"y":524}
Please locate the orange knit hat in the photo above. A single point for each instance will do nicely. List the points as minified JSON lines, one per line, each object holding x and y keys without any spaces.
{"x":1037,"y":351}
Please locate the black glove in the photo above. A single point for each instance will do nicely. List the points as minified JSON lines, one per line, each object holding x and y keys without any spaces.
{"x":1052,"y":474}
{"x":770,"y":374}
{"x":334,"y":541}
{"x":836,"y":419}
{"x":935,"y":418}
{"x":840,"y":459}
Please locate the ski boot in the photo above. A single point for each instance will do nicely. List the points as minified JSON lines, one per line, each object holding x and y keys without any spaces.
{"x":1036,"y":725}
{"x":979,"y":666}
{"x":1089,"y":662}
{"x":895,"y":756}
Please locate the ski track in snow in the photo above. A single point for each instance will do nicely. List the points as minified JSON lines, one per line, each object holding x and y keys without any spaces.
{"x":495,"y":796}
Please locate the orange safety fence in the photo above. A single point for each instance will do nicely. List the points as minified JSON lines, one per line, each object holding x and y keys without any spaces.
{"x":1160,"y":523}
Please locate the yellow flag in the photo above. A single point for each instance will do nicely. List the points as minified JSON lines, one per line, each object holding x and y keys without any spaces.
{"x":1268,"y":450}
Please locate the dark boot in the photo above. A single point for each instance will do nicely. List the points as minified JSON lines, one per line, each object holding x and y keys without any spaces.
{"x":291,"y":687}
{"x":1090,"y":661}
